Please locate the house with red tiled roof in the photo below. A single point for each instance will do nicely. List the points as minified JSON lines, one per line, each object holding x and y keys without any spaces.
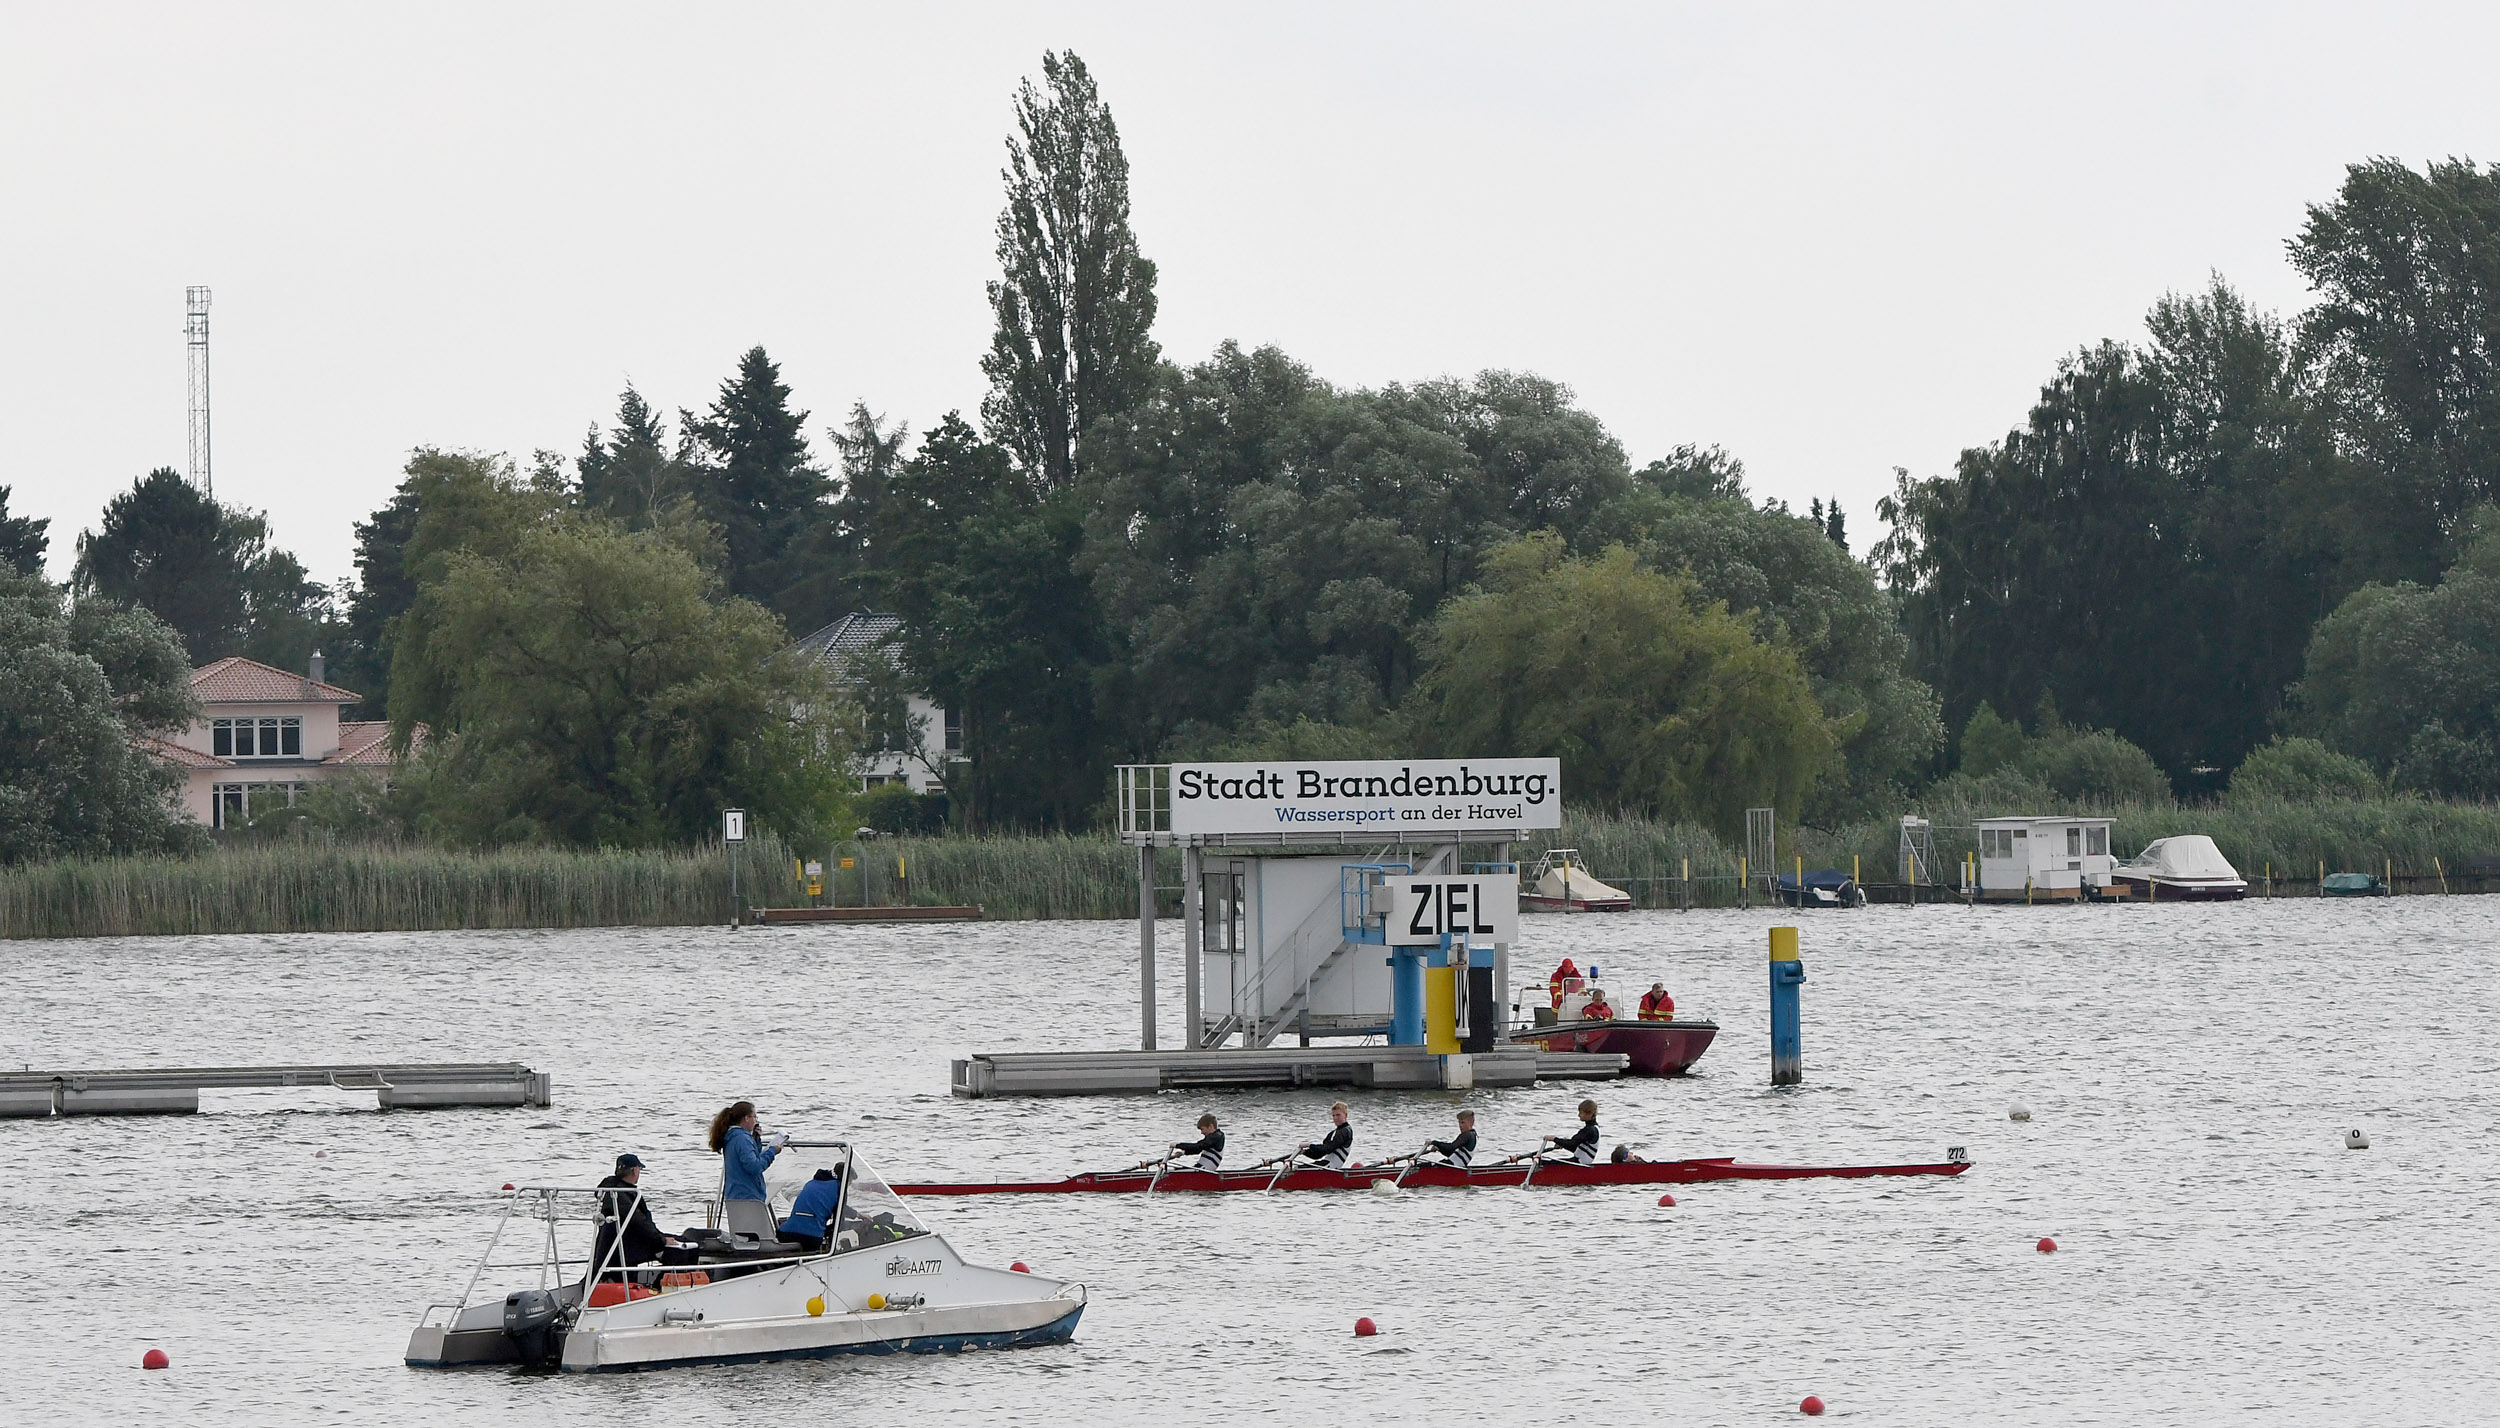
{"x":264,"y":735}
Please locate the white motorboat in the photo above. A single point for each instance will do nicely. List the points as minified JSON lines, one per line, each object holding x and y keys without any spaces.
{"x":2183,"y":867}
{"x":1558,"y":883}
{"x":881,"y":1284}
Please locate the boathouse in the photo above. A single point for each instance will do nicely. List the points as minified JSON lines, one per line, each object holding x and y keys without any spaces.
{"x":2037,"y":859}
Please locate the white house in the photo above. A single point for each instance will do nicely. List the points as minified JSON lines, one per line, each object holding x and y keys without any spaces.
{"x":934,"y":737}
{"x":264,"y":735}
{"x":2042,"y":859}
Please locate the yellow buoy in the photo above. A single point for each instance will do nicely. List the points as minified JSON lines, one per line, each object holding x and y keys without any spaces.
{"x":876,"y":1301}
{"x":816,"y":1306}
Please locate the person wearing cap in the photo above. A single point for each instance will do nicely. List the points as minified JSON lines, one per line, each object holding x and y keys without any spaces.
{"x":1656,"y":1005}
{"x":811,"y":1214}
{"x":1561,"y":981}
{"x":624,"y":1213}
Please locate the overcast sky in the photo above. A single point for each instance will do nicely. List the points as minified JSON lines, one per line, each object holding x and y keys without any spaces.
{"x":1835,"y":240}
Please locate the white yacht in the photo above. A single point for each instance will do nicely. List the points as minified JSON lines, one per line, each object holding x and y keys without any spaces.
{"x":881,"y":1283}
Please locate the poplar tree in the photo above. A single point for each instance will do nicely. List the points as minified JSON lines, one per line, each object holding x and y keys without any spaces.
{"x":1075,"y":301}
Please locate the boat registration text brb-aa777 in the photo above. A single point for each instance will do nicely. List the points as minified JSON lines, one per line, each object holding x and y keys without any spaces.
{"x":1370,"y":797}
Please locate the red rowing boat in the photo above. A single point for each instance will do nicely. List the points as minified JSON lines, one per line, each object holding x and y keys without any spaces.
{"x":1534,"y":1174}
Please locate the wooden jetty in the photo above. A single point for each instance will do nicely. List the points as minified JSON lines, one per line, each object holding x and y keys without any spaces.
{"x":867,"y":914}
{"x":1090,"y":1073}
{"x":176,"y":1090}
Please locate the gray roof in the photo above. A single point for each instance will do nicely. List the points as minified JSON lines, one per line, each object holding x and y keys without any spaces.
{"x":860,"y":630}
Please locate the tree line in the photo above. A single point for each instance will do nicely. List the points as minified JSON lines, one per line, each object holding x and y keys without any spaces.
{"x":2243,"y":543}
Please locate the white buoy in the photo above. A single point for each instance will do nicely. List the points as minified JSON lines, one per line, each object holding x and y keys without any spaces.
{"x":1386,"y":1188}
{"x":2355,"y":1140}
{"x":2019,"y":1112}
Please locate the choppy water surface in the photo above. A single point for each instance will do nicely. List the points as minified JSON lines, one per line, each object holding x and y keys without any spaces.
{"x":2191,"y":1071}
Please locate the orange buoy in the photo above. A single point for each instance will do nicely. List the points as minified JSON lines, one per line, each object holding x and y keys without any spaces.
{"x":155,"y":1359}
{"x":1666,"y":1202}
{"x":1019,"y":1267}
{"x":1364,"y":1328}
{"x":1812,"y":1407}
{"x":2046,"y":1245}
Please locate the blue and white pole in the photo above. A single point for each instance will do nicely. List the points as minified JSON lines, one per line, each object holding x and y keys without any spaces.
{"x":1787,"y":1039}
{"x":1406,"y":995}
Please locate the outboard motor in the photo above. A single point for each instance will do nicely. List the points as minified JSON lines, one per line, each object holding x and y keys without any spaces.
{"x":532,"y":1319}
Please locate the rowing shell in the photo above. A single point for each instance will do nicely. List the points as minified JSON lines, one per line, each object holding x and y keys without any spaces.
{"x":1548,"y":1174}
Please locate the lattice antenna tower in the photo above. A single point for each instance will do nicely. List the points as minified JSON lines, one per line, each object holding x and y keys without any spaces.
{"x":195,"y":340}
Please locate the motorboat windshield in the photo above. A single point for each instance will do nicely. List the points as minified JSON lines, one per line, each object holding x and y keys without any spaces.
{"x":871,"y":1212}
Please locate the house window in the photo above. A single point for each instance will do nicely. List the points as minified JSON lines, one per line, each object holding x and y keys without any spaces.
{"x":2096,"y":842}
{"x":954,"y":731}
{"x":1993,"y":843}
{"x":270,"y":738}
{"x":231,"y":804}
{"x":2074,"y":842}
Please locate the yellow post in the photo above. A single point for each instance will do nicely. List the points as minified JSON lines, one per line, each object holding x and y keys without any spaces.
{"x":1688,"y":885}
{"x":2391,"y":877}
{"x":1744,"y":884}
{"x":1441,"y":1009}
{"x":2441,"y":869}
{"x":1853,"y":869}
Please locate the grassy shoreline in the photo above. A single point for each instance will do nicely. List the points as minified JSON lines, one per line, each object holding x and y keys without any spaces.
{"x":317,"y":887}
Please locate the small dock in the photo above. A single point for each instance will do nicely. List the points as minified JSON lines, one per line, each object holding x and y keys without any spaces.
{"x":1411,"y":1068}
{"x":971,"y":913}
{"x":176,"y":1091}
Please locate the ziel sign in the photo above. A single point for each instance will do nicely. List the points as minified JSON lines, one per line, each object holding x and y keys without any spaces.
{"x":1468,"y":910}
{"x":1383,"y":797}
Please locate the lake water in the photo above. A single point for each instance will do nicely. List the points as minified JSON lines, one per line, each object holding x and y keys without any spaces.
{"x":2191,"y":1071}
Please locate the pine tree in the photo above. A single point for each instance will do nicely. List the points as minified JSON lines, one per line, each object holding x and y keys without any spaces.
{"x":758,"y":484}
{"x":22,"y":539}
{"x":165,"y":547}
{"x":1075,"y":302}
{"x":630,"y":473}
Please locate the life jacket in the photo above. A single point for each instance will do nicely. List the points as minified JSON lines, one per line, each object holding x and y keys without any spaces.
{"x":1597,"y":1011}
{"x":1657,"y":1006}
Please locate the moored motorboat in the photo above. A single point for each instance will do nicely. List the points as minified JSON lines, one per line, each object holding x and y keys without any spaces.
{"x":1823,"y":887}
{"x":1651,"y":1048}
{"x":1534,"y":1174}
{"x":2184,"y":867}
{"x":881,"y":1283}
{"x":1558,"y":883}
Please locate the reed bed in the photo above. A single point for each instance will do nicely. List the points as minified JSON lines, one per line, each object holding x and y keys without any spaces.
{"x":316,"y":887}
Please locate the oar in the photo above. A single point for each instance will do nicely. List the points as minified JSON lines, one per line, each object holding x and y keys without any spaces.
{"x":1160,"y":1166}
{"x":1282,"y":1170}
{"x":1411,"y":1162}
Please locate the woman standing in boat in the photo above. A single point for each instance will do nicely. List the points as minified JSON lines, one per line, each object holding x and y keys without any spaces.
{"x":1208,"y":1147}
{"x":739,"y":1137}
{"x":1333,"y":1149}
{"x":1582,"y":1143}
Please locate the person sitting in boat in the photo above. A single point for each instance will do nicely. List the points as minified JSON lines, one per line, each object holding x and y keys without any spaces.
{"x":739,"y":1137}
{"x":625,"y":1214}
{"x":1623,"y":1156}
{"x":1562,"y":982}
{"x":1582,"y":1143}
{"x":1208,"y":1147}
{"x":1460,"y":1151}
{"x":1597,"y":1007}
{"x":1656,"y":1005}
{"x":1333,"y":1149}
{"x":811,"y":1213}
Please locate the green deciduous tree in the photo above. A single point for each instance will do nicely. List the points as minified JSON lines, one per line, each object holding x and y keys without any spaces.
{"x":586,"y":687}
{"x":1074,"y":301}
{"x":1654,"y":700}
{"x":207,"y":570}
{"x":78,"y":687}
{"x":2299,"y":770}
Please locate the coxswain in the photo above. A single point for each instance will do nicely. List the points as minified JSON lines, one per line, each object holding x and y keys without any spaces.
{"x":1563,"y":974}
{"x":1333,"y":1149}
{"x":1582,"y":1143}
{"x":1461,"y":1150}
{"x":1656,"y":1005}
{"x":1598,"y":1008}
{"x":1208,"y":1147}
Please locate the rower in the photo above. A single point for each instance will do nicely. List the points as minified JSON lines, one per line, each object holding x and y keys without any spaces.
{"x":1656,"y":1005}
{"x":1332,"y":1149}
{"x":1582,"y":1143}
{"x":1566,"y":979}
{"x":1598,"y":1008}
{"x":1460,"y":1151}
{"x":1208,"y":1147}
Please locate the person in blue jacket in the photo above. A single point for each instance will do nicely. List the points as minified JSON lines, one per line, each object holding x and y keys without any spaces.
{"x":739,"y":1137}
{"x":811,"y":1215}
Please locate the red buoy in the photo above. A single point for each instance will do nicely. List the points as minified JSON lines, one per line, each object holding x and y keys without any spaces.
{"x":1812,"y":1407}
{"x":155,"y":1359}
{"x":507,"y":1185}
{"x":1019,"y":1267}
{"x":1666,"y":1202}
{"x":2046,"y":1245}
{"x":1364,"y":1328}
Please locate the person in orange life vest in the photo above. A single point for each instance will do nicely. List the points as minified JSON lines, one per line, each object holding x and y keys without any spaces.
{"x":1564,"y":973}
{"x":1598,"y":1008}
{"x":1656,"y":1005}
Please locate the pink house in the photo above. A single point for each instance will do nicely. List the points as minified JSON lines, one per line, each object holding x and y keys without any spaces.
{"x":266,"y":734}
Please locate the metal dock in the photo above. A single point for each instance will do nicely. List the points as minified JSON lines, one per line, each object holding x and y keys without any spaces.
{"x":176,"y":1090}
{"x":966,"y":913}
{"x":1092,"y":1073}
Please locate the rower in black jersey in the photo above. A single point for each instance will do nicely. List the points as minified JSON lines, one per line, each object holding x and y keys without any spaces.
{"x":1582,"y":1143}
{"x":1333,"y":1149}
{"x":1460,"y":1152}
{"x":1208,"y":1147}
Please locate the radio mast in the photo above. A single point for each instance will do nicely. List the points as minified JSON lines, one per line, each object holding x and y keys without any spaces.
{"x":195,"y":335}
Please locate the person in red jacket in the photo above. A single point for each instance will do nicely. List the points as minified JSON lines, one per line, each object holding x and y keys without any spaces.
{"x":1598,"y":1008}
{"x":1656,"y":1005}
{"x":1564,"y":973}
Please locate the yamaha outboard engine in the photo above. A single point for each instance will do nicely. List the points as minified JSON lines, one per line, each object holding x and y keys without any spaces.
{"x":532,"y":1320}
